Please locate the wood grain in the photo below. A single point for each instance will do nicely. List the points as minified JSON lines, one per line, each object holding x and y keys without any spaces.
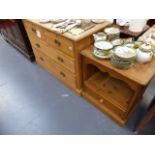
{"x":139,"y":73}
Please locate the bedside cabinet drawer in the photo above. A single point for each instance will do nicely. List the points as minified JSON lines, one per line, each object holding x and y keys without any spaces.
{"x":101,"y":103}
{"x":55,"y":54}
{"x":52,"y":67}
{"x":60,"y":43}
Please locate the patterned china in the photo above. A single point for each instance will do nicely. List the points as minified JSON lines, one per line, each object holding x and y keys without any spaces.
{"x":112,"y":33}
{"x":102,"y":49}
{"x":123,"y":57}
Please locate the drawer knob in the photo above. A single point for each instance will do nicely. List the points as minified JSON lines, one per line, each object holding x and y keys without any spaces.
{"x":70,"y":48}
{"x":37,"y":45}
{"x":101,"y":100}
{"x":34,"y":30}
{"x":41,"y":59}
{"x":57,"y":42}
{"x":60,"y":59}
{"x":62,"y":74}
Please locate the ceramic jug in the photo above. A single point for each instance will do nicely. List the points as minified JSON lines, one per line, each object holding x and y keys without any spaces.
{"x":137,"y":25}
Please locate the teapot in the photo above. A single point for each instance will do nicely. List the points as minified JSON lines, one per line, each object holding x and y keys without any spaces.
{"x":144,"y":53}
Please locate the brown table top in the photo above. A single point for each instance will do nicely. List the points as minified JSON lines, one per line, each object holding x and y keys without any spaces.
{"x":139,"y":73}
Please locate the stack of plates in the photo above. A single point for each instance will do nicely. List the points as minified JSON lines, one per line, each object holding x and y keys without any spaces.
{"x":123,"y":57}
{"x":102,"y":49}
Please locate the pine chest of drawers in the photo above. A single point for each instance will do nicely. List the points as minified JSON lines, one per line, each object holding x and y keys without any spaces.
{"x":59,"y":54}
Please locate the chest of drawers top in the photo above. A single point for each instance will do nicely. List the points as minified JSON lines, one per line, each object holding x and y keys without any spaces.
{"x":48,"y":26}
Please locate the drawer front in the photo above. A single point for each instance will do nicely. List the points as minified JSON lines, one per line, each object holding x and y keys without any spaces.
{"x":54,"y":54}
{"x":60,"y":43}
{"x":34,"y":30}
{"x":101,"y":102}
{"x":60,"y":72}
{"x":53,"y":39}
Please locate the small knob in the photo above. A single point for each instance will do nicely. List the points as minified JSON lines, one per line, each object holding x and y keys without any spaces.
{"x":60,"y":59}
{"x":57,"y":42}
{"x":101,"y":100}
{"x":41,"y":59}
{"x":63,"y":74}
{"x":70,"y":48}
{"x":34,"y":30}
{"x":37,"y":45}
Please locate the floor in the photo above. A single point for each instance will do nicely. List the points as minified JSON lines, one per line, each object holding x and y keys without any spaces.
{"x":34,"y":102}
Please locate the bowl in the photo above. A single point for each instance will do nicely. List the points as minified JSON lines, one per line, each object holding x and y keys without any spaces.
{"x":118,"y":42}
{"x":123,"y":57}
{"x":103,"y":49}
{"x":103,"y":45}
{"x":112,"y":33}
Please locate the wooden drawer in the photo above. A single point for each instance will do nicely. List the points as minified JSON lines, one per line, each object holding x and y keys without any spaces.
{"x":59,"y":42}
{"x":54,"y":54}
{"x":101,"y":102}
{"x":53,"y":39}
{"x":34,"y":30}
{"x":54,"y":68}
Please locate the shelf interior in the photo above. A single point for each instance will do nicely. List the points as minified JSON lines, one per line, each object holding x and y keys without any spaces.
{"x":113,"y":90}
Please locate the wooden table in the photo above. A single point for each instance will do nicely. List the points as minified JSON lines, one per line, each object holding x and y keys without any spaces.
{"x":114,"y":91}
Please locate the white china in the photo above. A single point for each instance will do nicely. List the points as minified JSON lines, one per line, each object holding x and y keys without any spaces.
{"x":56,"y":21}
{"x":152,"y":40}
{"x":100,"y":36}
{"x":103,"y":45}
{"x":112,"y":30}
{"x":98,"y":21}
{"x":123,"y":57}
{"x":101,"y":55}
{"x":137,"y":25}
{"x":144,"y":54}
{"x":123,"y":22}
{"x":117,"y":42}
{"x":125,"y":52}
{"x":112,"y":33}
{"x":43,"y":21}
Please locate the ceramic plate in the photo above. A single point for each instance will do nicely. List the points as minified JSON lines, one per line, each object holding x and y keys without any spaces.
{"x":98,"y":21}
{"x":56,"y":21}
{"x":117,"y":42}
{"x":130,"y":45}
{"x":103,"y":45}
{"x":125,"y":52}
{"x":111,"y":30}
{"x":44,"y":21}
{"x":101,"y":55}
{"x":123,"y":22}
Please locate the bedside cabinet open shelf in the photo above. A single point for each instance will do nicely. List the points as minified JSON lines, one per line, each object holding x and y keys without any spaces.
{"x":107,"y":92}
